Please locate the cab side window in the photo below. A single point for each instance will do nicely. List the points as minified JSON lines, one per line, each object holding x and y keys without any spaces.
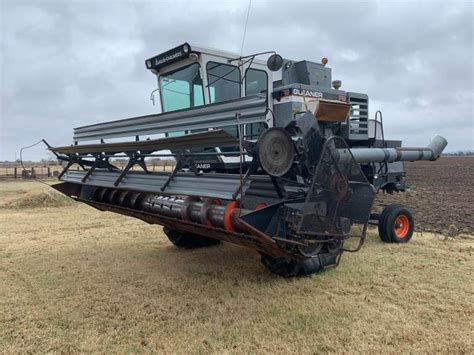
{"x":256,"y":81}
{"x":223,"y":81}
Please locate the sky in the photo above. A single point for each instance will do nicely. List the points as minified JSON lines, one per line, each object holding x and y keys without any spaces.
{"x":65,"y":64}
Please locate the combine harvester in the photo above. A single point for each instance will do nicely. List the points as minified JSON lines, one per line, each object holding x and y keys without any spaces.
{"x":271,"y":155}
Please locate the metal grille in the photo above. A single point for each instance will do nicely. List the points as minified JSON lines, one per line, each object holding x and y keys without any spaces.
{"x":358,"y":116}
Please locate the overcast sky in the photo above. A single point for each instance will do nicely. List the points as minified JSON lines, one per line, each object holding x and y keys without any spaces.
{"x":69,"y":63}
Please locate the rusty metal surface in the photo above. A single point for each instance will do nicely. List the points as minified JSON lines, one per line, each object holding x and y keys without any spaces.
{"x":332,"y":111}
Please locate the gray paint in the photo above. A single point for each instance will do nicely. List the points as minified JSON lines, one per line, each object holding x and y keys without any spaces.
{"x":251,"y":109}
{"x":372,"y":155}
{"x":307,"y":73}
{"x":284,"y":112}
{"x":189,"y":141}
{"x":203,"y":185}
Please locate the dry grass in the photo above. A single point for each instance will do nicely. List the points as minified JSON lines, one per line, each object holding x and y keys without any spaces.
{"x":75,"y":279}
{"x":35,"y":199}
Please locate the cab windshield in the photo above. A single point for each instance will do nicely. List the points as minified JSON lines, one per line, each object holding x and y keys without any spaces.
{"x":181,"y":88}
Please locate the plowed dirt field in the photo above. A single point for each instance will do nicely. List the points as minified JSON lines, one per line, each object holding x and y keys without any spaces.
{"x":441,"y":195}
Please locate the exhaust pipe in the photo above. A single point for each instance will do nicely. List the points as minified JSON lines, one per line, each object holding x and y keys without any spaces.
{"x":377,"y":155}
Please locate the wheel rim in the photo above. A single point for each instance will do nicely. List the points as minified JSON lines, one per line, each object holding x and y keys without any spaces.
{"x":310,"y":250}
{"x":402,"y":225}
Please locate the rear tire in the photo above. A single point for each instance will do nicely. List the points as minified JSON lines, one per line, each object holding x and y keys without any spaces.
{"x":396,"y":224}
{"x":188,"y":240}
{"x":292,"y":268}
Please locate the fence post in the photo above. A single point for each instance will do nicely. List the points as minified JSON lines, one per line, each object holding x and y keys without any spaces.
{"x":15,"y":172}
{"x":49,"y":171}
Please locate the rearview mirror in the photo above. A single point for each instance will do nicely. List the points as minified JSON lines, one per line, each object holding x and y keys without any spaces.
{"x":275,"y":62}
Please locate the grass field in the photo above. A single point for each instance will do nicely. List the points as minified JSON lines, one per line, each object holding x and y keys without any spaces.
{"x":75,"y":279}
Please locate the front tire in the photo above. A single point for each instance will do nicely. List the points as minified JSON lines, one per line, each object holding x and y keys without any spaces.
{"x":396,"y":224}
{"x":188,"y":240}
{"x":292,"y":268}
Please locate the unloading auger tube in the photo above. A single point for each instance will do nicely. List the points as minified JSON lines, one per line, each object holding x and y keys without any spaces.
{"x":390,"y":155}
{"x":295,"y":189}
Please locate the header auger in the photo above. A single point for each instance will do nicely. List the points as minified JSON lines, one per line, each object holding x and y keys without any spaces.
{"x":270,"y":155}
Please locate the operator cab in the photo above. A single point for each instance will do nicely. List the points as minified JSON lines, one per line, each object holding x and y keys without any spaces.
{"x":190,"y":76}
{"x":193,"y":76}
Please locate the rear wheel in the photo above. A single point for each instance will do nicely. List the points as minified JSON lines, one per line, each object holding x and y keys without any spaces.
{"x":188,"y":240}
{"x":396,"y":224}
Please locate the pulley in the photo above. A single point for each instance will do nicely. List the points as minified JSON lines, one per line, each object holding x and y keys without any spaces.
{"x":275,"y":151}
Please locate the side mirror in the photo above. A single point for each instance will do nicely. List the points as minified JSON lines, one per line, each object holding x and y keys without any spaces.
{"x":275,"y":62}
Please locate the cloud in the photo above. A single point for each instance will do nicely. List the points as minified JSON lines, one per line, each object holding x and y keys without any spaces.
{"x":66,"y":64}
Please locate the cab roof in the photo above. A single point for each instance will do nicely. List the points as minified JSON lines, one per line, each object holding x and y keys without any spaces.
{"x":183,"y":51}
